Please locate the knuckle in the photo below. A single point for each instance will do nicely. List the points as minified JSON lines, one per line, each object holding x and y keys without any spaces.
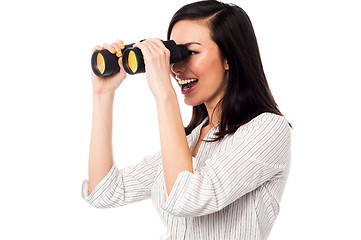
{"x":153,"y":57}
{"x":165,"y":51}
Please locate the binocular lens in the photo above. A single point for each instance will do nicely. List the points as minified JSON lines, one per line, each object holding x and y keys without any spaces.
{"x":104,"y":63}
{"x":100,"y":63}
{"x":132,"y":62}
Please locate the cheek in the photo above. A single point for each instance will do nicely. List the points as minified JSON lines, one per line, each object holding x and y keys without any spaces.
{"x":207,"y":67}
{"x":200,"y":66}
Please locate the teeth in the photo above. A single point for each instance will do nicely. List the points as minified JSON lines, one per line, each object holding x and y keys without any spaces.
{"x":182,"y":82}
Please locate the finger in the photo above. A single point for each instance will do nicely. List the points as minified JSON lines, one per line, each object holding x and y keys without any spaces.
{"x":159,"y":46}
{"x":153,"y":48}
{"x":110,"y":48}
{"x":97,"y":47}
{"x":116,"y":49}
{"x":145,"y":49}
{"x":120,"y":43}
{"x":157,"y":42}
{"x":118,"y":46}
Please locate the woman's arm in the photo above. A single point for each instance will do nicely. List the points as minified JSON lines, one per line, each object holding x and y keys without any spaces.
{"x":126,"y":185}
{"x":176,"y":155}
{"x":101,"y":152}
{"x":175,"y":150}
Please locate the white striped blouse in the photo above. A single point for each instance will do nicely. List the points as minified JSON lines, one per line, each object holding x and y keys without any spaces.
{"x":234,"y":192}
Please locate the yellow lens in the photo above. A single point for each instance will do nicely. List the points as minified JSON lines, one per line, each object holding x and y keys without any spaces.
{"x":100,"y":63}
{"x":132,"y":61}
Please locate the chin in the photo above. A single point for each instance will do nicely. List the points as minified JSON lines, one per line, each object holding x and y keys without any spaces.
{"x":191,"y":102}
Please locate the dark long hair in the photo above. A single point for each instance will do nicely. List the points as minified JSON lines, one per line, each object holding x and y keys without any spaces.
{"x":247,"y":92}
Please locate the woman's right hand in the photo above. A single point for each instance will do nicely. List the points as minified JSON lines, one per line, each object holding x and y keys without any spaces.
{"x":106,"y":85}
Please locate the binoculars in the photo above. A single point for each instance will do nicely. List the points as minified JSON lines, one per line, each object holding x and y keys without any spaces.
{"x":105,"y":63}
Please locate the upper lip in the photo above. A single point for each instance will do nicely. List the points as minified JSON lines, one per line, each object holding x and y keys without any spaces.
{"x":182,"y":78}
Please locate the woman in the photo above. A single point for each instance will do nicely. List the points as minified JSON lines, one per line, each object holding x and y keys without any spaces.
{"x":221,"y":177}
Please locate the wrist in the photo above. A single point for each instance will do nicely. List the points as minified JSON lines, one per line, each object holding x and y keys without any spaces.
{"x":99,"y":95}
{"x":165,"y":96}
{"x":166,"y":104}
{"x":103,"y":99}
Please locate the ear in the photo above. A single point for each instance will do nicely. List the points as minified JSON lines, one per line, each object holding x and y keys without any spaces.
{"x":225,"y":65}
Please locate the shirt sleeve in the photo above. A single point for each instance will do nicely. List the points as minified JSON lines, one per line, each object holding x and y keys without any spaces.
{"x":257,"y":155}
{"x":123,"y":186}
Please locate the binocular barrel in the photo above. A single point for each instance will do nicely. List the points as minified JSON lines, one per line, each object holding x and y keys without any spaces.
{"x":105,"y":63}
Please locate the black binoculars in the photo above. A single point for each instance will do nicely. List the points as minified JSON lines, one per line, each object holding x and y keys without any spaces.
{"x":105,"y":63}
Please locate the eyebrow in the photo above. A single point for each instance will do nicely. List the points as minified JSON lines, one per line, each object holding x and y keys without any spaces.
{"x":190,"y":43}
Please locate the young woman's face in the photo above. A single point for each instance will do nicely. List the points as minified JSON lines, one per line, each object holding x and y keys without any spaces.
{"x":204,"y":69}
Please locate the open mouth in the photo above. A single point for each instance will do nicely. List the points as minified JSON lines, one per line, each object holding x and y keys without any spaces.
{"x":186,"y":83}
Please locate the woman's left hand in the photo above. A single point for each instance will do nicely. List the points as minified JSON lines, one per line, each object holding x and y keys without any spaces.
{"x":156,"y":58}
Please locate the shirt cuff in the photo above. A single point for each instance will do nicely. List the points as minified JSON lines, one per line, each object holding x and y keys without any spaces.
{"x":174,"y":202}
{"x":103,"y":184}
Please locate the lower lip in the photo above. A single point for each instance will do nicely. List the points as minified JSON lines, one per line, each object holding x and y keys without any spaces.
{"x":185,"y":92}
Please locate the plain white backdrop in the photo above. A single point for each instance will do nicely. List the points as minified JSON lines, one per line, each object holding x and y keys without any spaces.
{"x":311,"y":56}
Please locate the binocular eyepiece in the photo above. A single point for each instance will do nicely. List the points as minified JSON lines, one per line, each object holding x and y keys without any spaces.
{"x":105,"y":63}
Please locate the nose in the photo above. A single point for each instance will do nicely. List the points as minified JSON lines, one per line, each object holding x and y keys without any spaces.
{"x":178,"y":67}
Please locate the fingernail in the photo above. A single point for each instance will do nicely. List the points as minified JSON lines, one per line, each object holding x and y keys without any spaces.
{"x":113,"y":50}
{"x":122,"y":46}
{"x":119,"y":54}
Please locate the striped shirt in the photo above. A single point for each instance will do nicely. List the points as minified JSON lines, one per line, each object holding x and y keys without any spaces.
{"x":234,"y":192}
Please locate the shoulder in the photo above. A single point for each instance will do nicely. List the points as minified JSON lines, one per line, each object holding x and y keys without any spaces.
{"x":266,"y":138}
{"x":265,"y":124}
{"x":266,"y":117}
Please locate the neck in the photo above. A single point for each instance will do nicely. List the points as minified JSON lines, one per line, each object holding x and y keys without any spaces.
{"x":214,"y":115}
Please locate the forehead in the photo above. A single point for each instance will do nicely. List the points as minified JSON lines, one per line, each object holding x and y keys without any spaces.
{"x":186,"y":31}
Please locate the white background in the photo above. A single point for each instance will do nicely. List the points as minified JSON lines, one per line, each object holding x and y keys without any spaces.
{"x":311,"y":56}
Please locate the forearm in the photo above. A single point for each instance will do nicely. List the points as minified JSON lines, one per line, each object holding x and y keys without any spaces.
{"x":101,"y":152}
{"x":176,"y":155}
